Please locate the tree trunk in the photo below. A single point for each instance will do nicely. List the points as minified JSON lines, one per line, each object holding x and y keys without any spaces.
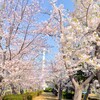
{"x":1,"y":91}
{"x":13,"y":89}
{"x":0,"y":98}
{"x":78,"y":87}
{"x":60,"y":95}
{"x":98,"y":75}
{"x":86,"y":95}
{"x":78,"y":93}
{"x":59,"y":92}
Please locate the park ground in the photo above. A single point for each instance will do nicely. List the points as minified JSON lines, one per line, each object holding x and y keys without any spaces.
{"x":46,"y":96}
{"x":50,"y":96}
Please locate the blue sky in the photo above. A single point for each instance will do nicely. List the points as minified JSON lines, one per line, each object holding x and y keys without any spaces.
{"x":68,"y":5}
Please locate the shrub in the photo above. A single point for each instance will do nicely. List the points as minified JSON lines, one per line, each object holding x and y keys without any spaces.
{"x":29,"y":97}
{"x":54,"y":92}
{"x":48,"y":90}
{"x":67,"y":95}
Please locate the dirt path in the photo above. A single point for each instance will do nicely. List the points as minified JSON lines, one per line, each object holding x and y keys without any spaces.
{"x":46,"y":96}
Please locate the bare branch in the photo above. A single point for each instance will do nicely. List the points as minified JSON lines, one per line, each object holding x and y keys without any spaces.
{"x":87,"y":80}
{"x":87,"y":14}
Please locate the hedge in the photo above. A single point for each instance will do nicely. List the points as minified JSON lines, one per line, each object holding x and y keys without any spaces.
{"x":48,"y":90}
{"x":26,"y":96}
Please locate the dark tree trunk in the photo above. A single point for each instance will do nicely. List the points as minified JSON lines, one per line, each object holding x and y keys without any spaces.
{"x":60,"y":92}
{"x":13,"y":89}
{"x":1,"y":91}
{"x":1,"y":94}
{"x":21,"y":91}
{"x":98,"y":75}
{"x":55,"y":92}
{"x":88,"y":91}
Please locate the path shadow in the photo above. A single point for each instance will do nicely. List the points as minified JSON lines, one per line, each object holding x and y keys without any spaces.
{"x":49,"y":96}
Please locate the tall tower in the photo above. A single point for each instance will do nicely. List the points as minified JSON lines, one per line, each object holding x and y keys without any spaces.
{"x":44,"y":85}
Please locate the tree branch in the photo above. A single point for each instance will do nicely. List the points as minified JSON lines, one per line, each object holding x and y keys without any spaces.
{"x":87,"y":80}
{"x":74,"y":82}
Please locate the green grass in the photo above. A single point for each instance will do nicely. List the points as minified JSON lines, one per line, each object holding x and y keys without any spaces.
{"x":25,"y":96}
{"x":13,"y":97}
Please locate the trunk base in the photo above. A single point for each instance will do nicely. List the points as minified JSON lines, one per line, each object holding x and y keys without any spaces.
{"x":78,"y":94}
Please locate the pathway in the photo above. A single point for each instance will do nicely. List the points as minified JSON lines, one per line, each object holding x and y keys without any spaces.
{"x":46,"y":96}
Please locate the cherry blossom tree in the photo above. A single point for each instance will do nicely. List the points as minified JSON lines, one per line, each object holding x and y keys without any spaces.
{"x":22,"y":37}
{"x":84,"y":37}
{"x":57,"y":76}
{"x":20,"y":40}
{"x":79,"y":39}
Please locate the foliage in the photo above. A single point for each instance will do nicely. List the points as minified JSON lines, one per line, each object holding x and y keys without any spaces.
{"x":67,"y":95}
{"x":80,"y":76}
{"x":26,"y":96}
{"x":48,"y":90}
